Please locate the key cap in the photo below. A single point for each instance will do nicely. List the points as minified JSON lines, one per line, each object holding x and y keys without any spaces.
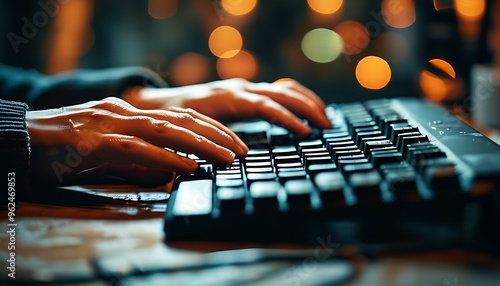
{"x":194,"y":198}
{"x":299,"y":194}
{"x":366,"y":185}
{"x":279,"y":136}
{"x":231,"y":201}
{"x":229,"y":182}
{"x":330,"y":186}
{"x":265,"y":196}
{"x":313,"y":169}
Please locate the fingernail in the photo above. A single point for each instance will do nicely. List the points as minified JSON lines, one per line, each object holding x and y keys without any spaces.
{"x":227,"y":154}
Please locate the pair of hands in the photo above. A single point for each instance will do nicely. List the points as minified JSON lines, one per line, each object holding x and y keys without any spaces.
{"x":127,"y":138}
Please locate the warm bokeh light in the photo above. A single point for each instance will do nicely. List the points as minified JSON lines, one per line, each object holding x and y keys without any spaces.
{"x":432,"y":86}
{"x":444,"y":66}
{"x":373,"y":72}
{"x":354,"y":35}
{"x":469,"y":15}
{"x":239,"y":7}
{"x":392,"y":46}
{"x":72,"y":36}
{"x":225,"y":42}
{"x":162,"y":9}
{"x":398,"y":13}
{"x":190,"y":68}
{"x":470,"y":8}
{"x":242,"y":65}
{"x":325,"y":6}
{"x":322,"y":45}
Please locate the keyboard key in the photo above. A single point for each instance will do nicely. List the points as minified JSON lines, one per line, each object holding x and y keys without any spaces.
{"x":313,"y":160}
{"x":316,"y":168}
{"x":231,"y":201}
{"x":330,"y":186}
{"x":354,"y":168}
{"x":260,"y":170}
{"x":260,"y":177}
{"x":365,"y":185}
{"x":229,"y":183}
{"x":265,"y":196}
{"x":279,"y":136}
{"x":287,"y":159}
{"x":194,"y":198}
{"x":299,"y":194}
{"x":284,"y":175}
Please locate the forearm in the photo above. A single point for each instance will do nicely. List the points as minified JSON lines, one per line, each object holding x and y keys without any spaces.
{"x":74,"y":87}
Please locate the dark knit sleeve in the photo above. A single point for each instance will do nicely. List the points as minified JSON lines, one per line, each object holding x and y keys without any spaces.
{"x":74,"y":87}
{"x":14,"y":151}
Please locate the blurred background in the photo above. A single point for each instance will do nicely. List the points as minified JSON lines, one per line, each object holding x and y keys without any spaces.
{"x":343,"y":50}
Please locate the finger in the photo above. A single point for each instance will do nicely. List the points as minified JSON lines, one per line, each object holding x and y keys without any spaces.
{"x":296,"y":103}
{"x":295,"y":85}
{"x":186,"y":118}
{"x":276,"y":113}
{"x":167,"y":134}
{"x":122,"y":149}
{"x":243,"y":149}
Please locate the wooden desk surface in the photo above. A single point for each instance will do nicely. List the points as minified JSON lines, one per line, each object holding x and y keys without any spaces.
{"x":56,"y":241}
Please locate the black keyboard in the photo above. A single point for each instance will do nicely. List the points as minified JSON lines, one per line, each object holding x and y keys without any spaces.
{"x":399,"y":171}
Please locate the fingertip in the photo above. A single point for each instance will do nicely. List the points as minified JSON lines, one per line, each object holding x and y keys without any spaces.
{"x":189,"y":165}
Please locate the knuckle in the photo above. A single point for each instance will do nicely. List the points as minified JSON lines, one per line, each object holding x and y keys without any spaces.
{"x":186,"y":119}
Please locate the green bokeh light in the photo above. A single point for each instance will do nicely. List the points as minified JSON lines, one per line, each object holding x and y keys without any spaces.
{"x":322,"y":45}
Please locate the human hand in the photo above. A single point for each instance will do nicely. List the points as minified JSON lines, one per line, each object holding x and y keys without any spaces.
{"x":80,"y":143}
{"x":229,"y":100}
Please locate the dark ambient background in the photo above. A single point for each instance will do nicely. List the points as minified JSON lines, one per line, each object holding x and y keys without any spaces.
{"x":343,"y":50}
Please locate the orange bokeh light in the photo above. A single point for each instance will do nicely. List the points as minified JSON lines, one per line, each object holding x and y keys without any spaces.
{"x":239,"y":7}
{"x":443,"y":66}
{"x":325,"y":6}
{"x":373,"y":72}
{"x":225,"y":42}
{"x":470,"y":8}
{"x":242,"y":65}
{"x":398,"y":13}
{"x":189,"y":68}
{"x":355,"y":36}
{"x":432,"y":86}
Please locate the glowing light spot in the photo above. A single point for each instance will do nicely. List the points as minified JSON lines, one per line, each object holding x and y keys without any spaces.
{"x":432,"y":86}
{"x":325,"y":6}
{"x":470,"y":8}
{"x":225,"y":41}
{"x":322,"y":45}
{"x":469,"y":15}
{"x":354,"y":35}
{"x":398,"y":13}
{"x":189,"y":68}
{"x":242,"y":65}
{"x":239,"y":7}
{"x":162,"y":9}
{"x":373,"y":72}
{"x":443,"y":66}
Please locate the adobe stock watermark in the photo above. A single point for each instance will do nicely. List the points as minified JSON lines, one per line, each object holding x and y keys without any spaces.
{"x":30,"y":26}
{"x":303,"y":270}
{"x":75,"y":156}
